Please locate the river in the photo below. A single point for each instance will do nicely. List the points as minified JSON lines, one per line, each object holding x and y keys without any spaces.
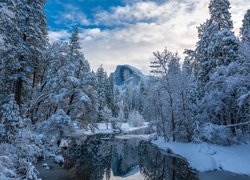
{"x":96,"y":158}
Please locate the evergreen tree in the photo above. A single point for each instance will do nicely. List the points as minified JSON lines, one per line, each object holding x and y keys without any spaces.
{"x":11,"y":119}
{"x":204,"y":64}
{"x":32,"y":43}
{"x":102,"y":78}
{"x":245,"y":37}
{"x":245,"y":30}
{"x":219,"y":14}
{"x":219,"y":100}
{"x":78,"y":83}
{"x":110,"y":96}
{"x":9,"y":38}
{"x":209,"y":51}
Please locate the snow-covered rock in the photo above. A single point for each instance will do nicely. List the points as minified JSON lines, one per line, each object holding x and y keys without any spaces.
{"x":125,"y":75}
{"x":59,"y":159}
{"x":44,"y":165}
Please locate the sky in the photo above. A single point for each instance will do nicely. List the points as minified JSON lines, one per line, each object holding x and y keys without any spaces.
{"x":116,"y":32}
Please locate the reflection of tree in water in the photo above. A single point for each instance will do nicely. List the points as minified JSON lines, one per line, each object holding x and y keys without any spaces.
{"x":154,"y":165}
{"x":92,"y":159}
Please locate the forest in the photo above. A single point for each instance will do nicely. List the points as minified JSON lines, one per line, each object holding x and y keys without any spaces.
{"x":49,"y":91}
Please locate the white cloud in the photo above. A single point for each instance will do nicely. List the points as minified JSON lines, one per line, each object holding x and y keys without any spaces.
{"x":58,"y":35}
{"x":73,"y":16}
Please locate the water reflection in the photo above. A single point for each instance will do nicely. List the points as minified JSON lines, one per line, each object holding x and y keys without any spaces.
{"x":155,"y":165}
{"x":97,"y":159}
{"x":89,"y":160}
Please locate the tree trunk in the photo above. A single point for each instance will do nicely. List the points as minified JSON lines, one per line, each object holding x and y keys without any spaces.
{"x":70,"y":102}
{"x":18,"y":91}
{"x":34,"y":79}
{"x":233,"y":128}
{"x":172,"y":118}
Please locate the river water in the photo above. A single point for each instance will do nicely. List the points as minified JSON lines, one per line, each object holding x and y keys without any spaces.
{"x":124,"y":159}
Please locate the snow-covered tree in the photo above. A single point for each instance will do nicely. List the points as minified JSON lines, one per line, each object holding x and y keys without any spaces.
{"x":110,"y":95}
{"x":222,"y":79}
{"x":245,"y":30}
{"x":59,"y":125}
{"x":135,"y":119}
{"x":141,"y":98}
{"x":245,"y":38}
{"x":9,"y":38}
{"x":189,"y":99}
{"x":32,"y":26}
{"x":220,"y":15}
{"x":80,"y":83}
{"x":107,"y":115}
{"x":166,"y":66}
{"x":209,"y":51}
{"x":11,"y":120}
{"x":102,"y":80}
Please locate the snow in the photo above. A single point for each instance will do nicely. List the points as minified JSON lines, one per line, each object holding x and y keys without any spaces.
{"x":102,"y":129}
{"x":44,"y":165}
{"x":59,"y":159}
{"x":207,"y":157}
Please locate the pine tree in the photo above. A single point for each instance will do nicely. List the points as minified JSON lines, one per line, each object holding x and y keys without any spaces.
{"x":219,"y":14}
{"x":204,"y":64}
{"x":209,"y":49}
{"x":11,"y":119}
{"x":218,"y":102}
{"x":245,"y":30}
{"x":9,"y":38}
{"x":245,"y":37}
{"x":101,"y":77}
{"x":74,"y":85}
{"x":32,"y":43}
{"x":110,"y":96}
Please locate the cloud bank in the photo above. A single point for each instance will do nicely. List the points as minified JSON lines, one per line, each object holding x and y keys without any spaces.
{"x":132,"y":32}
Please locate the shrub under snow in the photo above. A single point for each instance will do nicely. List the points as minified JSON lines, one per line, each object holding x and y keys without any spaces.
{"x":59,"y":159}
{"x":58,"y":125}
{"x":135,"y":119}
{"x":217,"y":134}
{"x":17,"y":158}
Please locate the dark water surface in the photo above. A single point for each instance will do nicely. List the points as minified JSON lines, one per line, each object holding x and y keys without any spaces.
{"x":127,"y":159}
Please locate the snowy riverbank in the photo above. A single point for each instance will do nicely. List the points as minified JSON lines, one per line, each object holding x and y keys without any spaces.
{"x":207,"y":157}
{"x":104,"y":129}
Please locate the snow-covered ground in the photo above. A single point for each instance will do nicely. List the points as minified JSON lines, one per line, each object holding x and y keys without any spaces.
{"x":208,"y":157}
{"x":102,"y":129}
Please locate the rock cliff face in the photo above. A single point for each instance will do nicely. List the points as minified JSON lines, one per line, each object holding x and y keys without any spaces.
{"x":126,"y":74}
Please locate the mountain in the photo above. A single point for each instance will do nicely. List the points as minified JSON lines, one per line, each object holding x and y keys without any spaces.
{"x":125,"y":75}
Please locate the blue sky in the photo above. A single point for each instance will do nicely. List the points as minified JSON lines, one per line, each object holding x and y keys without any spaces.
{"x":117,"y":32}
{"x":57,"y":11}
